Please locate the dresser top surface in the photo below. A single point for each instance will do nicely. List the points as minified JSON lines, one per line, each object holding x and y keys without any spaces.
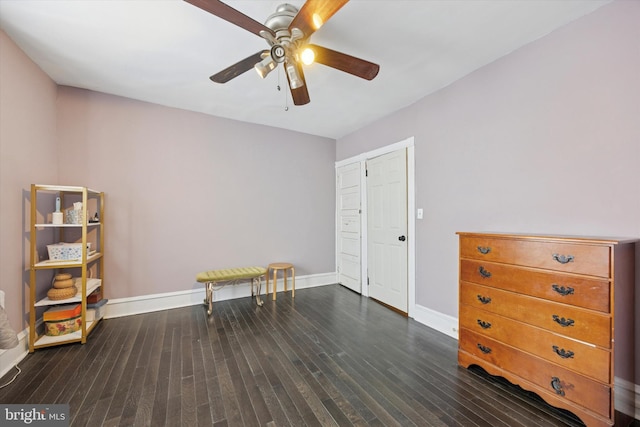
{"x":552,"y":237}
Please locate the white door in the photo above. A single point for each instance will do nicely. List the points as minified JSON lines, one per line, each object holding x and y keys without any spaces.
{"x":348,"y":221}
{"x":387,"y":229}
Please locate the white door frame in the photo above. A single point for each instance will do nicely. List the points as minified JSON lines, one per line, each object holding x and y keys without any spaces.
{"x":411,"y":217}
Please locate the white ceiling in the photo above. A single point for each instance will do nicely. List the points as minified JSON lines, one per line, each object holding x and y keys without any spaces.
{"x":163,"y":51}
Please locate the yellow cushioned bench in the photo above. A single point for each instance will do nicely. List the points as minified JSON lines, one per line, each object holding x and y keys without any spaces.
{"x":226,"y":276}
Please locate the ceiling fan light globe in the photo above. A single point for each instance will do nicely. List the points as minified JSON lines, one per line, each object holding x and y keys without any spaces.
{"x":264,"y":67}
{"x":307,"y":56}
{"x":294,"y":79}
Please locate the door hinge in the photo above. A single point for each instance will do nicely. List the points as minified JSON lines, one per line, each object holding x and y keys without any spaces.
{"x":367,"y":281}
{"x":366,"y":172}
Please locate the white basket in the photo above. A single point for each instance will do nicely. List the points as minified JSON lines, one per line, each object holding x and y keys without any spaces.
{"x":65,"y":251}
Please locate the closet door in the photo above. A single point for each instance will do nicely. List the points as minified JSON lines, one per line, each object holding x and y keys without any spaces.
{"x":348,"y":221}
{"x":387,"y":247}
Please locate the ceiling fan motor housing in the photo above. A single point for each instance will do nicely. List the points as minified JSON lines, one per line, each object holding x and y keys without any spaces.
{"x":282,"y":17}
{"x":284,"y":43}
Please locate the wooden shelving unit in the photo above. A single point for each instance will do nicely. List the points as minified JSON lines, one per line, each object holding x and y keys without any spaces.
{"x":80,"y":233}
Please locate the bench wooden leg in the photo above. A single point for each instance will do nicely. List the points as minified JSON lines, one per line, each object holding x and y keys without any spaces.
{"x":293,"y":282}
{"x":267,"y":290}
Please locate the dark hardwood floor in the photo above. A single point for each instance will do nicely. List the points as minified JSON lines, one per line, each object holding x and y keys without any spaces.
{"x":328,"y":357}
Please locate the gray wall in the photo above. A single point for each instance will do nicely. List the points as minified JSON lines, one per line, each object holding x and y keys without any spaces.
{"x":28,"y":154}
{"x":185,"y":192}
{"x":544,"y":140}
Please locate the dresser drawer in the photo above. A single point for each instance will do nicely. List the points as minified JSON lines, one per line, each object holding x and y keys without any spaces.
{"x":586,"y":259}
{"x":569,"y":289}
{"x":588,"y":360}
{"x":584,"y":325}
{"x":562,"y":382}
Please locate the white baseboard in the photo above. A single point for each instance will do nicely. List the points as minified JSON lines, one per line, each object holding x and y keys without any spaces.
{"x":11,"y":357}
{"x":627,"y":397}
{"x":148,"y":303}
{"x":440,"y":322}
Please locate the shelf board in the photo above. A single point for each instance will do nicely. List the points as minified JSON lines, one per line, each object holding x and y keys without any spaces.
{"x":47,"y":225}
{"x":69,"y":263}
{"x":92,"y":285}
{"x":49,"y":340}
{"x":65,"y":188}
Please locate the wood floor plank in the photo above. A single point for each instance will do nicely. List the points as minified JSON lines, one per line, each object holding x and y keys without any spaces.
{"x":291,"y":403}
{"x":144,"y":408}
{"x":327,"y":357}
{"x":122,"y":384}
{"x":232,"y":410}
{"x":85,"y":395}
{"x":161,"y":396}
{"x":312,"y":334}
{"x":375,"y":360}
{"x":397,"y":406}
{"x":212,"y":352}
{"x":247,"y":392}
{"x":45,"y":384}
{"x":140,"y":369}
{"x":199,"y":341}
{"x":310,"y":368}
{"x":99,"y":397}
{"x":268,"y":408}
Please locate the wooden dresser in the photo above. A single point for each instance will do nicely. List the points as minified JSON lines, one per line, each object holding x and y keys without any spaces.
{"x":539,"y":311}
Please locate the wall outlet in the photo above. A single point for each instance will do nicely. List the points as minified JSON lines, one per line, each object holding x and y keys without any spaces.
{"x":2,"y":299}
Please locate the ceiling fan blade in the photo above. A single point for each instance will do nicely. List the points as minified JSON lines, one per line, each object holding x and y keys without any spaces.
{"x":300,"y":94}
{"x":230,"y":14}
{"x":314,"y":14}
{"x":239,"y":67}
{"x":343,"y":62}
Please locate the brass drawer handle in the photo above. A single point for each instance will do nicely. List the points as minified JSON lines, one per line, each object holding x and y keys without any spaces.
{"x":483,"y":324}
{"x":556,"y":384}
{"x":483,"y":272}
{"x":484,"y":249}
{"x":563,"y":353}
{"x":562,"y":290}
{"x":484,"y":300}
{"x":562,"y":259}
{"x":562,"y":321}
{"x":485,"y":350}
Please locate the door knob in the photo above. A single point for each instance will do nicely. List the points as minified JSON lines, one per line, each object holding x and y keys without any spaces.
{"x":402,"y":238}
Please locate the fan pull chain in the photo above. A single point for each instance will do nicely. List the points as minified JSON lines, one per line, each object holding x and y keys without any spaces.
{"x":278,"y":87}
{"x":286,"y":99}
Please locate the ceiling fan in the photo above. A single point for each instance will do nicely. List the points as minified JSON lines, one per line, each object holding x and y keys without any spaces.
{"x":287,"y":31}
